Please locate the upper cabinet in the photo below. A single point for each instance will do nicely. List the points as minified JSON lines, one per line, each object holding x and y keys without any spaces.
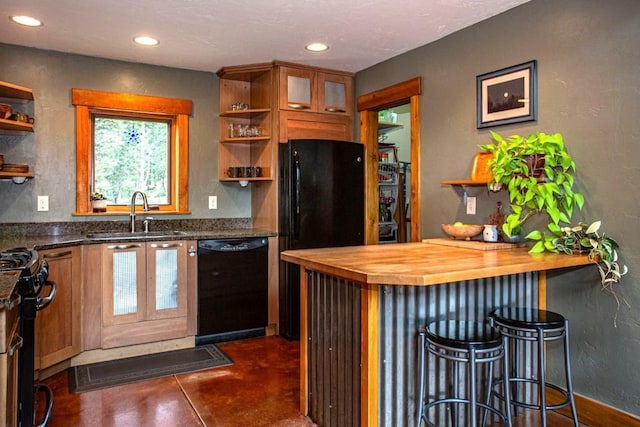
{"x":264,"y":104}
{"x":314,"y":103}
{"x":306,"y":89}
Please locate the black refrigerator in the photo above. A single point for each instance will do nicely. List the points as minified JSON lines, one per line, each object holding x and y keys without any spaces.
{"x":321,"y":204}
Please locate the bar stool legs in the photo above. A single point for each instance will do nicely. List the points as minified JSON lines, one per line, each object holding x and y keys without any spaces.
{"x":462,"y":343}
{"x":519,"y":325}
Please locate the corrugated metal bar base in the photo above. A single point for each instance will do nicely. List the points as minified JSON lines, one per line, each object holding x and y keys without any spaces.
{"x":334,"y":341}
{"x":404,"y":309}
{"x":334,"y":351}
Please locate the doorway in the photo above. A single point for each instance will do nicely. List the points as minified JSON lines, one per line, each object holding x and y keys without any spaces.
{"x":372,"y":108}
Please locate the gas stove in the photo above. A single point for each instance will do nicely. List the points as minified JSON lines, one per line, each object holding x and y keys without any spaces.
{"x":31,"y":286}
{"x":33,"y":272}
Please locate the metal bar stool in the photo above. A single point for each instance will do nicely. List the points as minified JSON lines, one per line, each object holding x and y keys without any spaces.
{"x":519,"y":324}
{"x":463,"y":342}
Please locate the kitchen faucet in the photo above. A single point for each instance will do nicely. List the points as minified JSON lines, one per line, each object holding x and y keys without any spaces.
{"x":145,"y":207}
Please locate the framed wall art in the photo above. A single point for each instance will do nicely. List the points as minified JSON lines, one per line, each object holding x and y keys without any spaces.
{"x":508,"y":95}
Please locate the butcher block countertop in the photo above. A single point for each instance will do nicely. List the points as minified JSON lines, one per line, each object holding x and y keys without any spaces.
{"x":424,"y":263}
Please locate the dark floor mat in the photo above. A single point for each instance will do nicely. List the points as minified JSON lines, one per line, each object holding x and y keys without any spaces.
{"x":116,"y":372}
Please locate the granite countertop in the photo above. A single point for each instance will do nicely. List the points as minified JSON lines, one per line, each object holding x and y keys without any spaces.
{"x":42,"y":236}
{"x":8,"y":280}
{"x":63,"y":240}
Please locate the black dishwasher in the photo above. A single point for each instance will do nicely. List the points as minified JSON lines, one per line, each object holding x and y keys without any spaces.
{"x":232,"y":289}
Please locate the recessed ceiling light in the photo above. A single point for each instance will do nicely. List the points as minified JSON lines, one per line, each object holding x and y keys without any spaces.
{"x":146,"y":40}
{"x":29,"y":21}
{"x":316,"y":47}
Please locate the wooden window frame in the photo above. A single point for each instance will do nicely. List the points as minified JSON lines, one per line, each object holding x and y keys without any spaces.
{"x":88,"y":102}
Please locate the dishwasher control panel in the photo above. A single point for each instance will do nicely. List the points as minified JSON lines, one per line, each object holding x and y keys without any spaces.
{"x":232,"y":245}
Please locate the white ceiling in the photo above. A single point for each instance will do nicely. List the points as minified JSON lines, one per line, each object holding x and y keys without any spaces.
{"x":208,"y":34}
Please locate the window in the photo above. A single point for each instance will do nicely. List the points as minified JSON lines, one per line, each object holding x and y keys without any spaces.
{"x":129,"y":142}
{"x":131,"y":154}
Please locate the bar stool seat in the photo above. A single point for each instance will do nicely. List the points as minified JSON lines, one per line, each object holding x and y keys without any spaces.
{"x":469,"y":343}
{"x":521,"y":324}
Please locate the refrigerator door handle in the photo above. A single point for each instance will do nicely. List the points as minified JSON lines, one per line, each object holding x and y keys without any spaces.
{"x":296,"y":196}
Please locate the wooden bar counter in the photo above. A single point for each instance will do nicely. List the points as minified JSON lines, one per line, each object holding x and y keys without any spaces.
{"x":361,"y":308}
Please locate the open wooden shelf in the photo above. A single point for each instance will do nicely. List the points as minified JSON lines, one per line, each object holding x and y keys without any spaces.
{"x":480,"y":175}
{"x":12,"y":127}
{"x":245,"y":113}
{"x":14,"y":93}
{"x":245,"y":139}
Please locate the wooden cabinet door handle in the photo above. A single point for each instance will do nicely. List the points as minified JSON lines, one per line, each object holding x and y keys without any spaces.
{"x":56,"y":255}
{"x":129,"y":246}
{"x":166,"y":245}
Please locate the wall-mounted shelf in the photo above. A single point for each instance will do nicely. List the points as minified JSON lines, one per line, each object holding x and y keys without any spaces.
{"x":384,"y":127}
{"x":480,"y":174}
{"x":469,"y":182}
{"x":14,"y":93}
{"x":12,"y":127}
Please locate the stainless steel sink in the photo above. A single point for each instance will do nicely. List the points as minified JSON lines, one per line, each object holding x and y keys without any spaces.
{"x":135,"y":235}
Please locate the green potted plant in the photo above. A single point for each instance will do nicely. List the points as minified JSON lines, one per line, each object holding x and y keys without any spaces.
{"x":538,"y":172}
{"x":98,"y":202}
{"x":550,"y":191}
{"x":602,"y":250}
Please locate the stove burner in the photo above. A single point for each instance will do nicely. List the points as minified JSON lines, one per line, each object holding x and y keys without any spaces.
{"x":16,"y":258}
{"x":9,"y":264}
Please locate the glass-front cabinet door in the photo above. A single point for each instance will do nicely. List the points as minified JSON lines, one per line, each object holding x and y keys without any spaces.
{"x":144,"y":281}
{"x":335,"y":94}
{"x":124,"y":288}
{"x":166,"y":279}
{"x":297,"y":89}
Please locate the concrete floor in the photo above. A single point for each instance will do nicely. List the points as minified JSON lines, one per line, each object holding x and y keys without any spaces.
{"x":261,"y":388}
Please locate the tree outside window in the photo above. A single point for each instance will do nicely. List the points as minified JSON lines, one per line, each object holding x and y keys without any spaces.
{"x":131,"y":155}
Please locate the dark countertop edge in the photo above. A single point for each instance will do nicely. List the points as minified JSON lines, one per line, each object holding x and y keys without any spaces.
{"x":65,"y":240}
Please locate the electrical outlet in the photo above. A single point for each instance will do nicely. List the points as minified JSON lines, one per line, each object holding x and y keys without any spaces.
{"x":43,"y":203}
{"x":471,"y":205}
{"x":213,"y":202}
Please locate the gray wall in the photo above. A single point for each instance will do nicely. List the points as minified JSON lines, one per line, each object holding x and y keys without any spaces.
{"x":50,"y":150}
{"x":589,"y":90}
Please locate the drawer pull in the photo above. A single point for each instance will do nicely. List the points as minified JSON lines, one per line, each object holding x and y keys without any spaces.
{"x":334,"y":110}
{"x":57,"y":255}
{"x":17,"y":345}
{"x":299,"y":106}
{"x":166,"y":245}
{"x":13,"y":302}
{"x":129,"y":246}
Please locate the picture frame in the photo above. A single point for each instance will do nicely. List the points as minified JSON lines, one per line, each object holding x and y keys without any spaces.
{"x":506,"y":96}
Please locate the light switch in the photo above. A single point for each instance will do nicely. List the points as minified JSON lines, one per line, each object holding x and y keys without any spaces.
{"x":43,"y":203}
{"x":213,"y":202}
{"x":471,"y":205}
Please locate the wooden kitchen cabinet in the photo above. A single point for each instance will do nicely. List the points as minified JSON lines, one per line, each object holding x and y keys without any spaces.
{"x":58,"y":327}
{"x":246,"y":102}
{"x":312,"y":90}
{"x":317,"y":104}
{"x":145,"y":293}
